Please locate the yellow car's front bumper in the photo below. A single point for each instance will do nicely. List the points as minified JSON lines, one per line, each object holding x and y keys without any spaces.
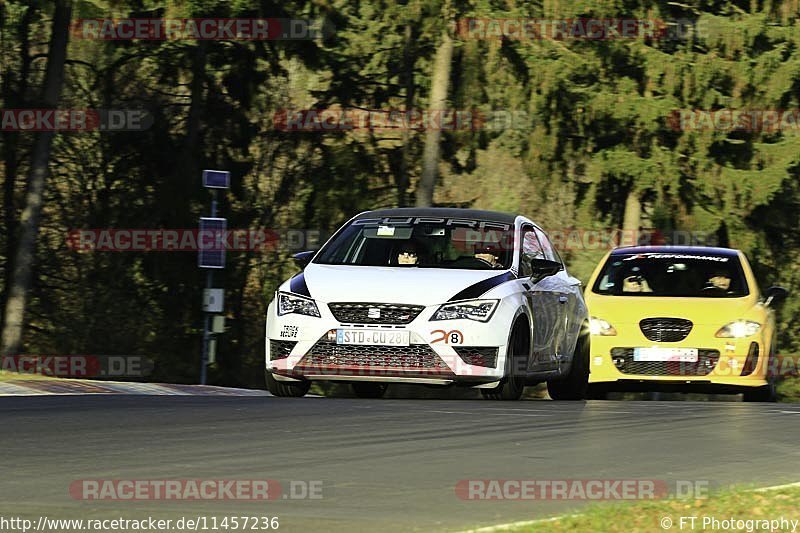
{"x":722,"y":362}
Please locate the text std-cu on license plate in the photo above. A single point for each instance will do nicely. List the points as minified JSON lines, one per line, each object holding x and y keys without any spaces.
{"x":372,"y":336}
{"x":681,"y":355}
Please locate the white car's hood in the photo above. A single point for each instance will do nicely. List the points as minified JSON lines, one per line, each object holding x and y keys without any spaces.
{"x":402,"y":285}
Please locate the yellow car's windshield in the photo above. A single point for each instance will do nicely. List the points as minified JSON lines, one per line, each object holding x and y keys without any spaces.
{"x":692,"y":274}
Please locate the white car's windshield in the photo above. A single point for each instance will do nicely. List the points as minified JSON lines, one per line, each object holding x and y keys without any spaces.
{"x":692,"y":274}
{"x":485,"y":246}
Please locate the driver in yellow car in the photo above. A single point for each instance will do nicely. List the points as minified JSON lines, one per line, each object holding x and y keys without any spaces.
{"x":635,"y":284}
{"x":719,"y":281}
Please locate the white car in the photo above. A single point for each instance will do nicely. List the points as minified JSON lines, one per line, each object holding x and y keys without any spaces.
{"x":435,"y":296}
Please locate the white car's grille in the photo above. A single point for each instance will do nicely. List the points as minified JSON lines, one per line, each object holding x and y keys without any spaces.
{"x":374,"y":313}
{"x":410,"y":358}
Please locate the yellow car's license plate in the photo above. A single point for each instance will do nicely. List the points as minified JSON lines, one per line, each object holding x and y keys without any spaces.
{"x":372,"y":337}
{"x":681,"y":355}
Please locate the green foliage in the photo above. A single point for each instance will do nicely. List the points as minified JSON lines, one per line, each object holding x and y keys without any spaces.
{"x":596,"y":125}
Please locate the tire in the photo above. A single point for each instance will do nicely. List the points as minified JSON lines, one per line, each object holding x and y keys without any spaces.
{"x":575,"y":385}
{"x":595,"y":392}
{"x":288,"y":389}
{"x":369,"y":390}
{"x":512,"y":385}
{"x":766,"y":393}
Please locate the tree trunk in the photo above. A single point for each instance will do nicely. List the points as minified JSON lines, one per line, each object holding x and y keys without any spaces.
{"x":409,"y":56}
{"x":440,"y":84}
{"x":632,"y":219}
{"x":14,"y":96}
{"x":29,"y":221}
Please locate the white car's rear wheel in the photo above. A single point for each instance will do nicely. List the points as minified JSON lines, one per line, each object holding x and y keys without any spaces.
{"x":574,"y":386}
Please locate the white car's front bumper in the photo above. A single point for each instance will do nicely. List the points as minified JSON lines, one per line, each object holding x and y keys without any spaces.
{"x":440,"y":352}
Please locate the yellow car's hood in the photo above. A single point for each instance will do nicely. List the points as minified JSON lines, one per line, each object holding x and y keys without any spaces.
{"x":632,"y":309}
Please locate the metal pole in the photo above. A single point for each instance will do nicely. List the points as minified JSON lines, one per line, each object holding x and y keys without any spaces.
{"x":207,"y":320}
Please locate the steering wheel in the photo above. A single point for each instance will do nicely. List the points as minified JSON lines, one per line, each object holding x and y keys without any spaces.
{"x":712,"y":288}
{"x":467,"y":259}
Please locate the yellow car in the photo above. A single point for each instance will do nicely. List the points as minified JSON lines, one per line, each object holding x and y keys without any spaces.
{"x":683,"y":319}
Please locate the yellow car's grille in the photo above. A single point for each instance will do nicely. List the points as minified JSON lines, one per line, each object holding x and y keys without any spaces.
{"x":623,"y":360}
{"x":665,"y":329}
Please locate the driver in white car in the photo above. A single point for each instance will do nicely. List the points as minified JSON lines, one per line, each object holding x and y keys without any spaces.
{"x":487,"y":254}
{"x":408,"y":254}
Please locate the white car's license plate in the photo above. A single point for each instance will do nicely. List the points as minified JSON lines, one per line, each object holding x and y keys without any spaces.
{"x":681,"y":355}
{"x":372,"y":336}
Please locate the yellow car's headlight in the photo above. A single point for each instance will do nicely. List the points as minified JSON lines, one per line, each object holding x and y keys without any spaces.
{"x":738,"y":329}
{"x":598,"y":326}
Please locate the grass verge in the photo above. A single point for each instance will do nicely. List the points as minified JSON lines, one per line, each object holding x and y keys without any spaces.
{"x":5,"y":375}
{"x":738,"y":504}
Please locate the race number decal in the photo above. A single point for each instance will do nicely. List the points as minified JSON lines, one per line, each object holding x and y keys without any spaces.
{"x":449,"y":337}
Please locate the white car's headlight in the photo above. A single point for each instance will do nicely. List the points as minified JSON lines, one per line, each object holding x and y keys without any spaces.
{"x":294,"y":303}
{"x":480,"y":310}
{"x":598,"y":326}
{"x":739,"y":329}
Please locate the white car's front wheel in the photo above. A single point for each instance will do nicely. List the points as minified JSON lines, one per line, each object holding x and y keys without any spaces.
{"x":512,"y":385}
{"x":291,"y":389}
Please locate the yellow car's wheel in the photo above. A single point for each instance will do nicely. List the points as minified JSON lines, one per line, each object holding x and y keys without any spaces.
{"x":767,"y":393}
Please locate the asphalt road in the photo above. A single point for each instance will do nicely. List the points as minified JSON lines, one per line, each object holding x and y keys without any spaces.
{"x":384,"y":464}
